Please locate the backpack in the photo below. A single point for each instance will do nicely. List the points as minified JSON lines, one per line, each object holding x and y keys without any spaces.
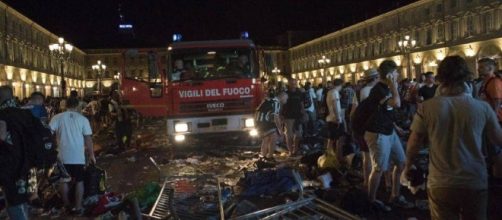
{"x":264,"y":111}
{"x":362,"y":115}
{"x":36,"y":140}
{"x":94,"y":181}
{"x":42,"y":148}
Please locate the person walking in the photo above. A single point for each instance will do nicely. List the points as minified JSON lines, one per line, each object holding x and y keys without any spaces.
{"x":74,"y":139}
{"x":453,"y":122}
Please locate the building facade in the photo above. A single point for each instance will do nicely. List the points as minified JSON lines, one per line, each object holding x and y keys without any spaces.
{"x":131,"y":63}
{"x":25,"y":60}
{"x":274,"y":62}
{"x":469,"y":28}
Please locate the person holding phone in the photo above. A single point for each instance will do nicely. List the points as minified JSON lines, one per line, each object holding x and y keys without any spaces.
{"x":382,"y":139}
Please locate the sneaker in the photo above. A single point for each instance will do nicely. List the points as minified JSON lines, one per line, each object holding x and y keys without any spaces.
{"x":380,"y":206}
{"x":401,"y":202}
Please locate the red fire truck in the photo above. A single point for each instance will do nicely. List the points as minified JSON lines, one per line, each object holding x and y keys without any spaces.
{"x":203,"y":88}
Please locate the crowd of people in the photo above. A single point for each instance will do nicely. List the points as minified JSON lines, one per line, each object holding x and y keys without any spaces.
{"x":458,"y":119}
{"x":72,"y":122}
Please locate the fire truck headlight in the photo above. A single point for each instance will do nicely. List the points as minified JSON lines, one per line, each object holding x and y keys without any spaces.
{"x":249,"y":123}
{"x":181,"y":127}
{"x":253,"y":133}
{"x":179,"y":138}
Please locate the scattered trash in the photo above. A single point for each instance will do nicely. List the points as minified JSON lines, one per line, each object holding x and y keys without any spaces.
{"x":326,"y":180}
{"x":192,"y":160}
{"x":131,"y":159}
{"x":422,"y":204}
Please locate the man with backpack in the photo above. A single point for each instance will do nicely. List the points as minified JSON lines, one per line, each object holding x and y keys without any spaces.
{"x":269,"y":122}
{"x":13,"y":159}
{"x":74,"y":137}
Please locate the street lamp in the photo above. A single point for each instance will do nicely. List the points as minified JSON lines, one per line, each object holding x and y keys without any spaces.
{"x":276,"y":71}
{"x":100,"y":69}
{"x":405,"y":46}
{"x":61,"y":51}
{"x":324,"y":62}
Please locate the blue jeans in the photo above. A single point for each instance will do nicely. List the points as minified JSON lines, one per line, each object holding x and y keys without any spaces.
{"x":18,"y":212}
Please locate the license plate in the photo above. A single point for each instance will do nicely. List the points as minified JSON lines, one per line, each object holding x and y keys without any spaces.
{"x":219,"y":122}
{"x":219,"y":128}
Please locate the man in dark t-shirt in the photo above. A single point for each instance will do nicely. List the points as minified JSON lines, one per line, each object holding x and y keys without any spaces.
{"x":293,"y":112}
{"x":429,"y":89}
{"x":383,"y":142}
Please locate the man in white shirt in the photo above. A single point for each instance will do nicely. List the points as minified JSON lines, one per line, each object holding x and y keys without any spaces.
{"x":74,"y":139}
{"x":335,"y":119}
{"x":371,"y":77}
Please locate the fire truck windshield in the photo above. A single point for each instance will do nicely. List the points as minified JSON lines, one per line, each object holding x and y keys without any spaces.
{"x":191,"y":64}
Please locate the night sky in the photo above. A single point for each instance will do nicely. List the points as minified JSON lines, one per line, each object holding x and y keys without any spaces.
{"x":94,"y":23}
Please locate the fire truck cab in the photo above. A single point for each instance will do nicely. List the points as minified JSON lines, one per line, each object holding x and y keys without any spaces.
{"x":214,"y":88}
{"x":202,"y":88}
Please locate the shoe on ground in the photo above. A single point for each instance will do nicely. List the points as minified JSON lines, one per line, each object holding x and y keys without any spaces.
{"x":379,"y":205}
{"x":401,"y":202}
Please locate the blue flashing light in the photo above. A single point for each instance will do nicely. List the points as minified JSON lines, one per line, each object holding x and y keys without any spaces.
{"x":177,"y":37}
{"x":245,"y":35}
{"x":125,"y":26}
